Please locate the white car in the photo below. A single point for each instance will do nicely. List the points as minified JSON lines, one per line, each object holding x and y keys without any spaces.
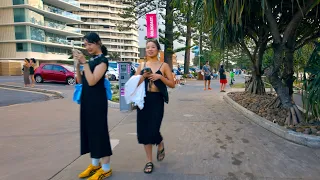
{"x":112,"y":74}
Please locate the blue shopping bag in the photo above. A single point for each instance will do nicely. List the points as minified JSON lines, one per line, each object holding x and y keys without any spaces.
{"x":77,"y":93}
{"x":78,"y":90}
{"x":107,"y":85}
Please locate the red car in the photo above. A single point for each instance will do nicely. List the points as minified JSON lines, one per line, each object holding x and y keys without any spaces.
{"x":55,"y":73}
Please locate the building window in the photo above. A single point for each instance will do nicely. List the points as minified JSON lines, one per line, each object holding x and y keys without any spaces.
{"x":19,"y":15}
{"x":37,"y":48}
{"x":20,"y":32}
{"x":16,"y":2}
{"x":37,"y":34}
{"x":22,"y":47}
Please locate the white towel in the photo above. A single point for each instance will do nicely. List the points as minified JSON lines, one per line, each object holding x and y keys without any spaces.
{"x":134,"y":93}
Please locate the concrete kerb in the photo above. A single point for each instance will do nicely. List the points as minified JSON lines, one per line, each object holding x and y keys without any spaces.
{"x":298,"y":138}
{"x":55,"y":94}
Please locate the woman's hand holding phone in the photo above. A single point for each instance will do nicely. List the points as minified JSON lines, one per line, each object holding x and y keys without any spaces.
{"x":146,"y":72}
{"x":78,"y":55}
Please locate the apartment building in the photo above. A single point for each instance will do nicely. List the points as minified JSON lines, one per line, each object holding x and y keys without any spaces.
{"x":36,"y":29}
{"x":102,"y":17}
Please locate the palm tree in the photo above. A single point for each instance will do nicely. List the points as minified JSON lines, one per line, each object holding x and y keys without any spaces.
{"x":284,"y":20}
{"x":113,"y":56}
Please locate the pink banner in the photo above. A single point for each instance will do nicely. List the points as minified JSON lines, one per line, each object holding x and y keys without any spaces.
{"x":152,"y":26}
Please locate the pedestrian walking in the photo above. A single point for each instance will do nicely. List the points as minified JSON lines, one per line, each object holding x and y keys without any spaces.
{"x":207,"y":75}
{"x":26,"y":72}
{"x":231,"y":77}
{"x":178,"y":75}
{"x":32,"y":65}
{"x":157,"y":76}
{"x":223,"y":79}
{"x":94,"y":133}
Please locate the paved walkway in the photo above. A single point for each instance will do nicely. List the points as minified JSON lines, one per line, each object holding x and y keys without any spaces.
{"x":204,"y":139}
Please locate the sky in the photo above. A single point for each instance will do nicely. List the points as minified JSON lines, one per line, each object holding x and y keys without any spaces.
{"x":142,"y":42}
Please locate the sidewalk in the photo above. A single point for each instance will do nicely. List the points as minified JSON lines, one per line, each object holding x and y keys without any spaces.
{"x":206,"y":139}
{"x":39,"y":139}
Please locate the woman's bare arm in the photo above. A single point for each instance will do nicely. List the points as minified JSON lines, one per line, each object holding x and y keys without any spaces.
{"x":79,"y":75}
{"x":96,"y":75}
{"x":167,"y":79}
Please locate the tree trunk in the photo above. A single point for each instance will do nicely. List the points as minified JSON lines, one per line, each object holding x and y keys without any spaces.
{"x":168,"y":47}
{"x":255,"y":85}
{"x":283,"y":98}
{"x":188,"y":41}
{"x":200,"y":48}
{"x":288,"y":71}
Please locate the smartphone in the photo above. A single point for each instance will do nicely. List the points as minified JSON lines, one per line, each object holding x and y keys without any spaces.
{"x":147,"y":69}
{"x":76,"y":51}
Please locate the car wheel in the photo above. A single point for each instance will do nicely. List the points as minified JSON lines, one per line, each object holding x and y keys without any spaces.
{"x":38,"y":79}
{"x":70,"y":81}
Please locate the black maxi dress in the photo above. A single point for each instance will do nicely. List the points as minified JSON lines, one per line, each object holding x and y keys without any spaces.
{"x":149,"y":118}
{"x":94,"y":132}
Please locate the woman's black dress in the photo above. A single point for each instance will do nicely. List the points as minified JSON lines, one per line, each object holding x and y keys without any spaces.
{"x":31,"y":70}
{"x":94,"y":116}
{"x":150,"y":117}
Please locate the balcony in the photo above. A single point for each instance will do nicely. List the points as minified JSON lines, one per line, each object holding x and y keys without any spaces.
{"x":107,"y":3}
{"x":68,"y":5}
{"x":61,"y":12}
{"x":62,"y":27}
{"x":52,"y":13}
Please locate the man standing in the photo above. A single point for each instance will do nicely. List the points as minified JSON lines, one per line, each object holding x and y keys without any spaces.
{"x":207,"y":75}
{"x":178,"y":75}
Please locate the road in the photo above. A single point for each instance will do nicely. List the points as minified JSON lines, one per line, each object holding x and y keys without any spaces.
{"x":204,"y":138}
{"x":10,"y":97}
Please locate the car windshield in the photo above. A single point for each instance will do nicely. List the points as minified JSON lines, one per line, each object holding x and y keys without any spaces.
{"x":69,"y":68}
{"x":113,"y":65}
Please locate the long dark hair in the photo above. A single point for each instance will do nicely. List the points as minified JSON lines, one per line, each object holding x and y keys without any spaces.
{"x":95,"y":38}
{"x":33,"y":60}
{"x":27,"y":60}
{"x":155,"y":41}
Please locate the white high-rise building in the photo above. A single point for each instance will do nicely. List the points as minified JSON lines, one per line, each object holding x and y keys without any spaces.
{"x":35,"y":29}
{"x":102,"y":17}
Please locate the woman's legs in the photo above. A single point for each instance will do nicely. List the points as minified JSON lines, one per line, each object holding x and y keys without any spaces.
{"x":32,"y":80}
{"x":223,"y":86}
{"x":148,"y":149}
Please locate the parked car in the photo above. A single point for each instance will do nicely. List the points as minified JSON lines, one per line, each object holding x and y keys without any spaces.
{"x":112,"y":74}
{"x":115,"y":66}
{"x":55,"y":73}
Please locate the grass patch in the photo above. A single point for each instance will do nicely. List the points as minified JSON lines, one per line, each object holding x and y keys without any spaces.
{"x":241,"y":85}
{"x":115,"y":94}
{"x":238,"y":85}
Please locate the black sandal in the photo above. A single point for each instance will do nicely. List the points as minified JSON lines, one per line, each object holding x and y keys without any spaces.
{"x":149,"y":166}
{"x":161,"y":153}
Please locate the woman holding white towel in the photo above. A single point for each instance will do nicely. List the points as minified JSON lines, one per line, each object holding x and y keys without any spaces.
{"x":157,"y":76}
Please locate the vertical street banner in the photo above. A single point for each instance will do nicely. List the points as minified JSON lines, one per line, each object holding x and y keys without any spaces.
{"x":152,"y":26}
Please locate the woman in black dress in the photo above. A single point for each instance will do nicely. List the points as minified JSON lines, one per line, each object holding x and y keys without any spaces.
{"x":223,"y":79}
{"x":94,"y":108}
{"x":32,"y":65}
{"x":157,"y":76}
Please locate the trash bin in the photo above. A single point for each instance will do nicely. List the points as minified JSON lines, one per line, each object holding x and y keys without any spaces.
{"x":200,"y":76}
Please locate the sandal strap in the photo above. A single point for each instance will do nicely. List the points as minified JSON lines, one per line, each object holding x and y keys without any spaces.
{"x":149,"y":164}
